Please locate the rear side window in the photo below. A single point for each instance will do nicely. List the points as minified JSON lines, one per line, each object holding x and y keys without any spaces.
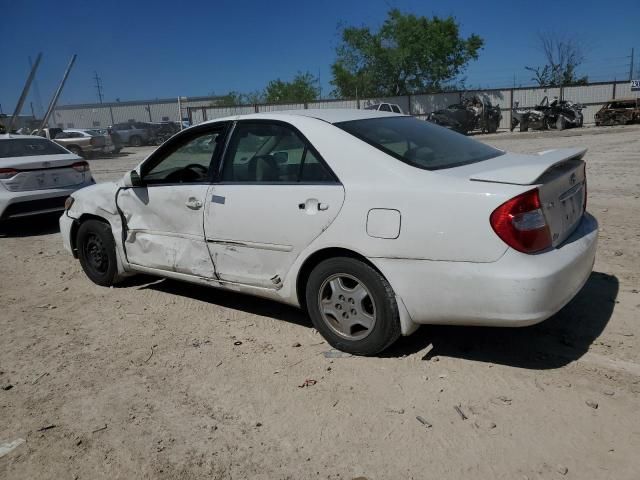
{"x":395,"y":108}
{"x":385,"y":108}
{"x":27,"y":147}
{"x":419,"y":143}
{"x":272,"y":153}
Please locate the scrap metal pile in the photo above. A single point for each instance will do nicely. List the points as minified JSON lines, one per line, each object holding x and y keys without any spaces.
{"x":472,"y":113}
{"x":559,"y":114}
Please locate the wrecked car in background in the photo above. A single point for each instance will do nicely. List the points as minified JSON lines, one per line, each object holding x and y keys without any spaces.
{"x":620,"y":111}
{"x":472,"y":113}
{"x":558,"y":114}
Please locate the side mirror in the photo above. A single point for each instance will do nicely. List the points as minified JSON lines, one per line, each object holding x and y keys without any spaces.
{"x":132,"y":179}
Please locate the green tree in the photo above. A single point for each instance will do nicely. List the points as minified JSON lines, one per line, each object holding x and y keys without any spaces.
{"x":236,"y":98}
{"x":303,"y":88}
{"x":408,"y":54}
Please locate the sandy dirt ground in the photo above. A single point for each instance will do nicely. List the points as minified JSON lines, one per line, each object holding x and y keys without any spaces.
{"x":159,"y":379}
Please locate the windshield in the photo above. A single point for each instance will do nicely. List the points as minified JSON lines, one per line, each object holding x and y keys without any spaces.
{"x":419,"y":143}
{"x":27,"y":147}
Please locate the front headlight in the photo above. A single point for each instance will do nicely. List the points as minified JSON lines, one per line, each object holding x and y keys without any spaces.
{"x":68,"y":202}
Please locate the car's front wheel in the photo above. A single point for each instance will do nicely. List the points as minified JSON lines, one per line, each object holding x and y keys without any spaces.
{"x":353,"y":306}
{"x":97,"y":252}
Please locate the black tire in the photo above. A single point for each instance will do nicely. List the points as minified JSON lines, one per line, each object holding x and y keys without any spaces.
{"x":117,"y":151}
{"x":135,"y":141}
{"x":97,"y":252}
{"x":380,"y":300}
{"x":561,"y":122}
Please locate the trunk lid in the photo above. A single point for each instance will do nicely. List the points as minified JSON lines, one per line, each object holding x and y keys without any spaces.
{"x":40,"y":172}
{"x":558,"y":174}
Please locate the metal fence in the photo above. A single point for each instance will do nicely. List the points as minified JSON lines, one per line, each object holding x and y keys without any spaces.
{"x":200,"y":109}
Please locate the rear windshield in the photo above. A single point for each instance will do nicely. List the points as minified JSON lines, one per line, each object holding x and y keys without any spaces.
{"x":419,"y":143}
{"x":27,"y":147}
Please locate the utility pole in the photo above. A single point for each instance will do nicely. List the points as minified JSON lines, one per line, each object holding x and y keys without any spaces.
{"x":36,"y":93}
{"x":25,"y":92}
{"x":56,"y":95}
{"x":631,"y":66}
{"x":319,"y":86}
{"x":98,"y":86}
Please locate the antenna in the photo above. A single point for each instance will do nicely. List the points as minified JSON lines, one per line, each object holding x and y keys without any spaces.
{"x":98,"y":86}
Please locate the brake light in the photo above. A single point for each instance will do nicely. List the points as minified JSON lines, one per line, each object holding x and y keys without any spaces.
{"x":521,"y":224}
{"x":6,"y":173}
{"x":80,"y":167}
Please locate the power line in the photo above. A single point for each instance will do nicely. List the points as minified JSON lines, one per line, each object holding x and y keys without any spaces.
{"x":98,"y":86}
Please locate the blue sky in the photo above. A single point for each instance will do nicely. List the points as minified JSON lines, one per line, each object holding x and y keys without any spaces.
{"x":158,"y":49}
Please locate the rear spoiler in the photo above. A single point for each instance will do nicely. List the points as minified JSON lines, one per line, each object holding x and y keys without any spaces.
{"x":526,"y":169}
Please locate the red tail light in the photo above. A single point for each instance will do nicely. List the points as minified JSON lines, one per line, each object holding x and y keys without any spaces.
{"x":7,"y":173}
{"x":520,"y":223}
{"x":80,"y":166}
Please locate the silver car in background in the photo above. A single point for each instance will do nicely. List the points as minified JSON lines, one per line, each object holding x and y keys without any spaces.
{"x":37,"y":176}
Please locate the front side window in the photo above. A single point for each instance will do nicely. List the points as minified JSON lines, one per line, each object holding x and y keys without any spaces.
{"x":419,"y":143}
{"x":271,"y":153}
{"x":190,"y":162}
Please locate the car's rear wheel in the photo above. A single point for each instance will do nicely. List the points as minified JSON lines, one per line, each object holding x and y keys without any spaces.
{"x":353,"y":306}
{"x":561,"y":122}
{"x":97,"y":252}
{"x":135,"y":141}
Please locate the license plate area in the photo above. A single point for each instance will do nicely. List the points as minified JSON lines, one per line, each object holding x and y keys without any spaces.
{"x":571,"y":206}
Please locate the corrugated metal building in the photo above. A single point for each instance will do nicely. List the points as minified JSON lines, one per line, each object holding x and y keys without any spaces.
{"x":200,"y":109}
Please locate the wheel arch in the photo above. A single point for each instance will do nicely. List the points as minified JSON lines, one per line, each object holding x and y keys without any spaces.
{"x":73,"y":234}
{"x":318,"y":256}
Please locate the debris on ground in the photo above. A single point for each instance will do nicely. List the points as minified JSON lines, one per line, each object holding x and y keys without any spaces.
{"x":7,"y":387}
{"x":237,"y":343}
{"x":100,"y":429}
{"x":48,"y":427}
{"x":399,"y":411}
{"x":460,"y":412}
{"x":423,"y":421}
{"x":6,"y":448}
{"x":309,"y":382}
{"x":592,"y":404}
{"x":296,"y":345}
{"x":562,"y":470}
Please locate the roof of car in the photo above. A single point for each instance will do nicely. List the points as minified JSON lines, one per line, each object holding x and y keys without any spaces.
{"x":10,"y":136}
{"x":330,"y":115}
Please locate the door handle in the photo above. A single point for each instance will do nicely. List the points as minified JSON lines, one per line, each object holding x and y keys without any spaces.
{"x":193,"y":203}
{"x":312,"y":205}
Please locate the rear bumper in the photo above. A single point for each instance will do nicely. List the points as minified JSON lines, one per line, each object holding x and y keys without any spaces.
{"x":516,"y":290}
{"x":35,"y":202}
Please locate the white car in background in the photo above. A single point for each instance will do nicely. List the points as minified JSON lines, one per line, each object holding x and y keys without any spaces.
{"x":374,"y":222}
{"x":37,"y":176}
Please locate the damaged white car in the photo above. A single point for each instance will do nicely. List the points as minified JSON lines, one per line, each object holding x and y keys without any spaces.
{"x":373,"y":222}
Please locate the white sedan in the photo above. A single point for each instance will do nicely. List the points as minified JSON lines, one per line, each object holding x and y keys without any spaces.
{"x":37,"y":176}
{"x":373,"y":222}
